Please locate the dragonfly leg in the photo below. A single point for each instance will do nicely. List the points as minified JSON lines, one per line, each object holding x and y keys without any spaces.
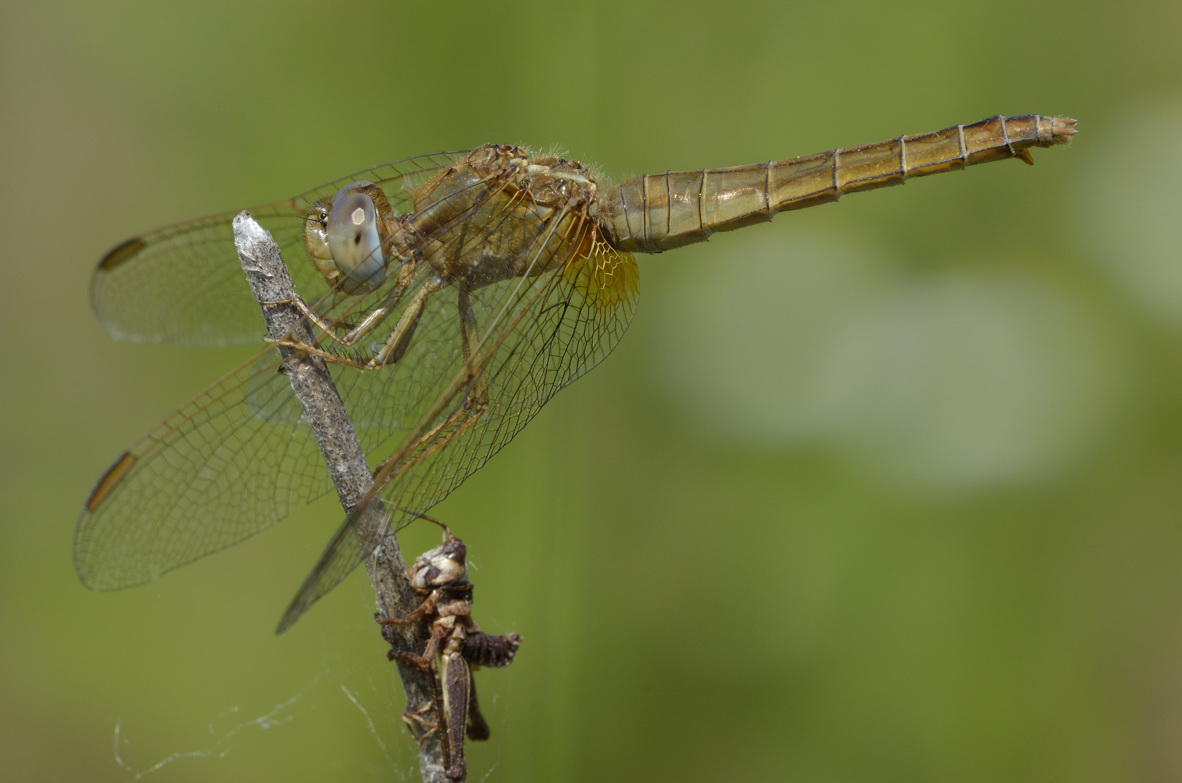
{"x":396,"y":344}
{"x":477,"y":394}
{"x":312,"y":350}
{"x":332,"y":327}
{"x":469,"y":412}
{"x":372,"y":319}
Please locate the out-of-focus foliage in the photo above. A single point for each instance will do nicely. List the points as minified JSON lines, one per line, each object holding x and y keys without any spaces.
{"x":885,"y":490}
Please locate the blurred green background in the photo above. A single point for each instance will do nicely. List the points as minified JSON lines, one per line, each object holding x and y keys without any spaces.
{"x":890,"y":490}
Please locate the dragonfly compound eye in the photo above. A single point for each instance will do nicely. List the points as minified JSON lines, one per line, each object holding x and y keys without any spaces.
{"x":316,"y":241}
{"x":355,"y":240}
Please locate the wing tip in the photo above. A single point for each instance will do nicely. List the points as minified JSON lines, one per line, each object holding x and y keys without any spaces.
{"x":109,"y":481}
{"x":120,"y":253}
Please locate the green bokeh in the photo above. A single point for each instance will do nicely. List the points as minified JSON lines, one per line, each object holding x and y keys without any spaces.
{"x":884,"y":491}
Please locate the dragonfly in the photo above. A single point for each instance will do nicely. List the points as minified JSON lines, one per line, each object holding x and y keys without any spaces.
{"x":451,"y":295}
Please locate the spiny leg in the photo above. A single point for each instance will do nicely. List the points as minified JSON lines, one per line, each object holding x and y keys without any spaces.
{"x":376,"y":316}
{"x":395,"y":345}
{"x":426,"y":658}
{"x":419,"y":722}
{"x":420,"y":611}
{"x":475,"y":396}
{"x":421,"y":727}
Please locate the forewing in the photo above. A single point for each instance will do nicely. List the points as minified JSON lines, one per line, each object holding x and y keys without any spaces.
{"x":183,"y":283}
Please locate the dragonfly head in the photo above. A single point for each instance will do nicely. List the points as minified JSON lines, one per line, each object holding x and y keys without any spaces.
{"x":347,"y":240}
{"x":440,"y":566}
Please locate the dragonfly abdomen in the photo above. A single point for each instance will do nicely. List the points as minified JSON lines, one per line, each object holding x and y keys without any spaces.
{"x":656,"y":212}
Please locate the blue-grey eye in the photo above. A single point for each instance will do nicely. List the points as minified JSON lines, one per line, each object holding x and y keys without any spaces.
{"x":355,"y":241}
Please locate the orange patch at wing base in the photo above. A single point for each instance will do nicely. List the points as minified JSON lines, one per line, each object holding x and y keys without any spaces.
{"x":604,"y":276}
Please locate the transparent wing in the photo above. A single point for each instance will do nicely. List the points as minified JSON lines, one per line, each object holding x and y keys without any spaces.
{"x":183,"y":284}
{"x":231,"y":462}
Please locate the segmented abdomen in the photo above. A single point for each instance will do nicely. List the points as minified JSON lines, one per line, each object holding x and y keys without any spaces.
{"x":657,"y":212}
